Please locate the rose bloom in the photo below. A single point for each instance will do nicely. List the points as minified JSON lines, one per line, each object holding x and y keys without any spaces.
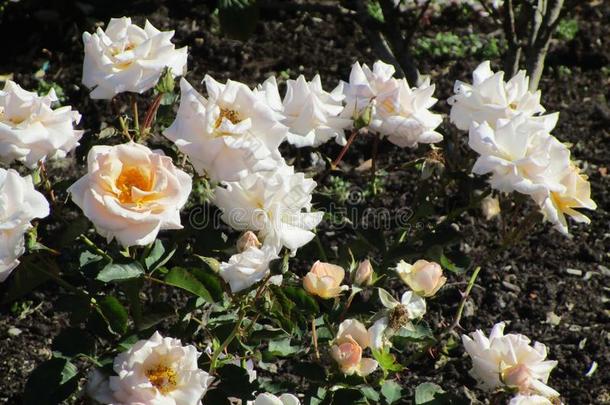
{"x":509,"y":360}
{"x":247,"y":240}
{"x":423,"y":277}
{"x":352,"y":339}
{"x":324,"y":280}
{"x":404,"y":116}
{"x":130,"y":193}
{"x":521,"y":399}
{"x":20,"y":203}
{"x":276,"y":204}
{"x":157,"y":371}
{"x":489,"y":99}
{"x":270,"y":399}
{"x":125,"y":57}
{"x":247,"y":268}
{"x":228,"y":135}
{"x":31,"y":130}
{"x":364,"y":273}
{"x":310,"y":113}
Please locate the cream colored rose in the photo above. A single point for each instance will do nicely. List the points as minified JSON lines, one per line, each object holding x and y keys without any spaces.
{"x":125,"y":57}
{"x":20,"y":203}
{"x":324,"y":280}
{"x":130,"y":193}
{"x":423,"y":277}
{"x":247,"y":240}
{"x":348,"y":346}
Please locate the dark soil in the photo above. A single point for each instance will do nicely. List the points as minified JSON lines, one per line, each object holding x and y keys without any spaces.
{"x":528,"y":284}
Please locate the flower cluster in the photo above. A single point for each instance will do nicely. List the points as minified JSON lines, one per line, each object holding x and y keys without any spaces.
{"x":516,"y":146}
{"x":32,"y":131}
{"x":510,"y":361}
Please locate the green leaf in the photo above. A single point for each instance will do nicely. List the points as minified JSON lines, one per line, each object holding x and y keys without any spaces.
{"x":51,"y":383}
{"x":386,"y":361}
{"x":391,"y":391}
{"x":370,"y":393}
{"x":181,"y":278}
{"x":114,"y":314}
{"x":73,"y":341}
{"x":115,"y":272}
{"x":155,"y":254}
{"x":211,"y":281}
{"x":282,"y":348}
{"x":303,"y":301}
{"x":238,"y":18}
{"x":426,"y":393}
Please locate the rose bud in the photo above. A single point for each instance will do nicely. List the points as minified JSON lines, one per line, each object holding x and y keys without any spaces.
{"x":351,"y":340}
{"x":324,"y":280}
{"x":423,"y":277}
{"x":364,"y":273}
{"x":248,"y":240}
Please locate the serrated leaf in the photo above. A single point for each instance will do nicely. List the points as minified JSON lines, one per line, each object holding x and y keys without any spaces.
{"x":426,"y":393}
{"x":114,"y":314}
{"x":50,"y":383}
{"x":116,"y":272}
{"x":391,"y":391}
{"x":303,"y":301}
{"x":182,"y":278}
{"x":282,"y":348}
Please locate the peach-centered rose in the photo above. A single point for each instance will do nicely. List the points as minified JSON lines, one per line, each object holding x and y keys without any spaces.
{"x":131,"y":193}
{"x":423,"y":277}
{"x":324,"y":280}
{"x":248,"y":240}
{"x":347,"y":349}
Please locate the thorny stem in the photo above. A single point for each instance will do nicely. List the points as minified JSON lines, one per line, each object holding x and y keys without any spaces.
{"x":227,"y":341}
{"x":350,"y":140}
{"x":93,"y":246}
{"x":46,"y":182}
{"x":124,"y":128}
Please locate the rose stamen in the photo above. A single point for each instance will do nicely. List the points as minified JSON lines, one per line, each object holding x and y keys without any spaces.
{"x":162,"y":378}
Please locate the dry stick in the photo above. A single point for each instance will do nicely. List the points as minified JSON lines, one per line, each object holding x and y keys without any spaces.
{"x":136,"y":117}
{"x":314,"y":337}
{"x":374,"y":163}
{"x":150,"y":114}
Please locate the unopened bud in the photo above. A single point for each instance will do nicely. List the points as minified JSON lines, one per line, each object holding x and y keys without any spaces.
{"x":364,"y":118}
{"x":166,"y":83}
{"x":247,"y":240}
{"x":364,"y":273}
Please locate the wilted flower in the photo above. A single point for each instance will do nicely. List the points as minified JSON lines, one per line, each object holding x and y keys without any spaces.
{"x":30,"y":130}
{"x":20,"y":203}
{"x":230,"y":134}
{"x":312,"y":114}
{"x":247,"y":268}
{"x":364,"y":273}
{"x":157,"y":371}
{"x":404,"y":116}
{"x":352,"y":339}
{"x":509,"y":360}
{"x":397,"y":315}
{"x":555,"y":205}
{"x":489,"y":99}
{"x":521,"y":399}
{"x":126,"y":57}
{"x":270,"y":399}
{"x":275,"y":204}
{"x":423,"y":277}
{"x":324,"y":280}
{"x":247,"y":240}
{"x":131,"y":193}
{"x":490,"y":207}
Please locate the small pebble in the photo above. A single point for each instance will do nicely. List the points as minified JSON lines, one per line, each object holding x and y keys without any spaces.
{"x":574,"y":272}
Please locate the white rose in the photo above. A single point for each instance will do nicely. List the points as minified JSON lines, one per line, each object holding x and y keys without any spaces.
{"x":247,"y":268}
{"x":404,"y":116}
{"x":270,"y":399}
{"x":230,"y":134}
{"x":520,"y":155}
{"x":312,"y":114}
{"x":275,"y":204}
{"x":131,"y":193}
{"x":156,"y":371}
{"x":125,"y":57}
{"x":524,"y":399}
{"x":20,"y":203}
{"x":489,"y":99}
{"x":30,"y":130}
{"x":509,"y":360}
